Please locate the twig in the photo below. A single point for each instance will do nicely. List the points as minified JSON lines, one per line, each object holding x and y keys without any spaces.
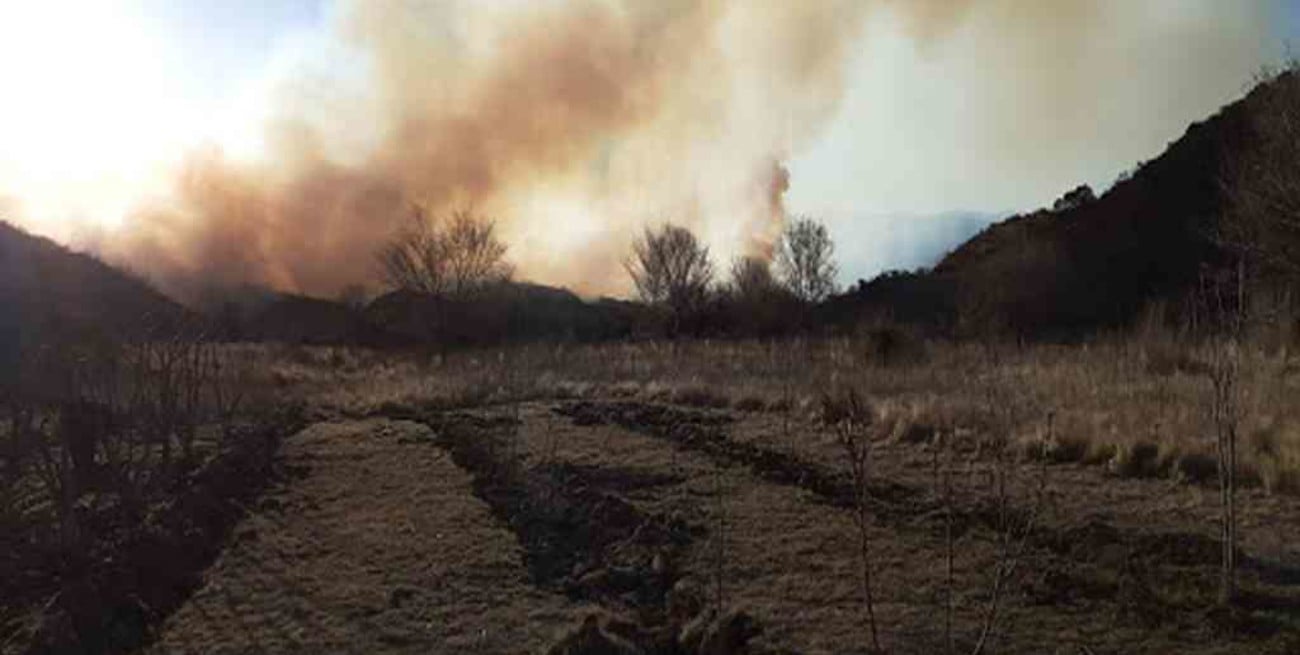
{"x":848,"y":416}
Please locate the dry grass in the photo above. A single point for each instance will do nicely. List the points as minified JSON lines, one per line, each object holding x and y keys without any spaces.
{"x":1137,"y":406}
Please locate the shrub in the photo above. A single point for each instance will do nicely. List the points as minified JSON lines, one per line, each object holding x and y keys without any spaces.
{"x":1278,"y":474}
{"x":890,"y":345}
{"x":1135,"y":460}
{"x":1196,"y":468}
{"x":120,"y":451}
{"x":1099,"y":453}
{"x":1065,"y":450}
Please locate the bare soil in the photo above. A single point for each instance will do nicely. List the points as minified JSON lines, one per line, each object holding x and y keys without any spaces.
{"x":496,"y":529}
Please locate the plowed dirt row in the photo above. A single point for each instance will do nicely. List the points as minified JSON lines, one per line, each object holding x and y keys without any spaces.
{"x":378,"y":547}
{"x":1084,"y":582}
{"x":790,"y":561}
{"x":399,"y":536}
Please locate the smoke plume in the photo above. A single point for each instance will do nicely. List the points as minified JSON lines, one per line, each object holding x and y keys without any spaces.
{"x":571,"y":124}
{"x":575,"y":123}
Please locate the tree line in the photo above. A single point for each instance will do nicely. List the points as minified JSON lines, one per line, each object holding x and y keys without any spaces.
{"x":673,"y":273}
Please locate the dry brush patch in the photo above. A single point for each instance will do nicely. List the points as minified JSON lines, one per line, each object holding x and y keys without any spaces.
{"x":125,"y":464}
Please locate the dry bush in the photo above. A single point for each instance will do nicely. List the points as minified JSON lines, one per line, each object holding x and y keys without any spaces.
{"x":892,"y":345}
{"x":1196,"y":468}
{"x":1274,"y":450}
{"x":849,"y":417}
{"x":99,"y":439}
{"x":1136,"y":460}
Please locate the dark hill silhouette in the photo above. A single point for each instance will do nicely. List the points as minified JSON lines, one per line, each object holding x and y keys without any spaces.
{"x":1088,"y":263}
{"x":511,"y":311}
{"x":47,"y":290}
{"x":50,"y":294}
{"x":303,"y":319}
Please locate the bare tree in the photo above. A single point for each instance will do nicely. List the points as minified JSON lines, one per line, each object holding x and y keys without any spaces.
{"x":413,"y":259}
{"x":804,"y":260}
{"x":475,"y":256}
{"x":752,"y":279}
{"x":1226,"y":413}
{"x":757,"y":303}
{"x":1260,"y":181}
{"x":453,"y":257}
{"x":671,"y":268}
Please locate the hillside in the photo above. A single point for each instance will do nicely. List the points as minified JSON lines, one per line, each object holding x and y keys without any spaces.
{"x":514,"y":311}
{"x":46,"y":288}
{"x":1091,"y":263}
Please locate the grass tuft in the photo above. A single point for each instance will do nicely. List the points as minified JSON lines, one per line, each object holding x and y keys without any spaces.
{"x":1135,"y":460}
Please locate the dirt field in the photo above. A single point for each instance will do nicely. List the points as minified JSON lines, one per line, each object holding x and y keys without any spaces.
{"x":378,"y":545}
{"x":497,"y":528}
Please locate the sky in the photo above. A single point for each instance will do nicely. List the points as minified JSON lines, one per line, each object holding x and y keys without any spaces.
{"x":942,"y":119}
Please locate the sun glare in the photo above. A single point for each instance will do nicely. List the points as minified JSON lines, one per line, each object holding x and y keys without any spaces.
{"x":89,"y":112}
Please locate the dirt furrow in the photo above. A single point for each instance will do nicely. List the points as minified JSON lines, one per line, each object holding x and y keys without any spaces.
{"x":380,"y":546}
{"x":496,"y":529}
{"x":1079,"y":563}
{"x":772,"y":548}
{"x":569,"y":519}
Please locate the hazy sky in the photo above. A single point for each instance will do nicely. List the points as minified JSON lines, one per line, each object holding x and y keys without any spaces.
{"x":990,"y":107}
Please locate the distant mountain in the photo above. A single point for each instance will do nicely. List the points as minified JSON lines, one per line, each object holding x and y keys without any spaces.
{"x":47,"y":289}
{"x":1090,"y":262}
